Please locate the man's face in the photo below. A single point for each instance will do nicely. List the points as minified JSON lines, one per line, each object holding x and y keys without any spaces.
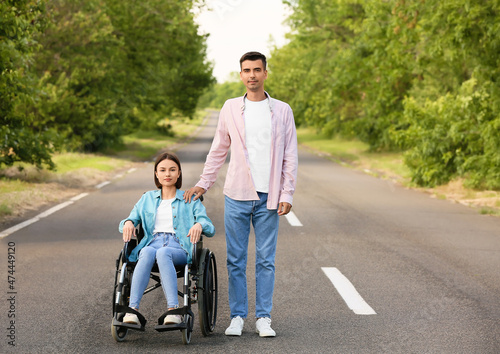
{"x":253,"y":74}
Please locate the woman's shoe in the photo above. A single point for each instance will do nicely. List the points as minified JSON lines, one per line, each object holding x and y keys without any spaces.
{"x":172,"y":319}
{"x":131,"y":318}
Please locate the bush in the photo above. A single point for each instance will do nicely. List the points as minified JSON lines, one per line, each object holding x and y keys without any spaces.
{"x":454,"y":136}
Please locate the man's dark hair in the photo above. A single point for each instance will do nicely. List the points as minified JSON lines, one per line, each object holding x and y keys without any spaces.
{"x":254,"y":56}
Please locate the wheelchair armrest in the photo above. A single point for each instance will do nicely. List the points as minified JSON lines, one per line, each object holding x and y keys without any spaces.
{"x":127,"y":248}
{"x":124,"y":253}
{"x":197,"y":249}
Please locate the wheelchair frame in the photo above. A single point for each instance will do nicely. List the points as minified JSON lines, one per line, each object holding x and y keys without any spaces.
{"x":199,"y":286}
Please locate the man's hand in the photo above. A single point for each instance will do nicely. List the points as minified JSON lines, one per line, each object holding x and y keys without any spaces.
{"x":284,"y":208}
{"x":195,"y":233}
{"x":128,"y":230}
{"x":195,"y":191}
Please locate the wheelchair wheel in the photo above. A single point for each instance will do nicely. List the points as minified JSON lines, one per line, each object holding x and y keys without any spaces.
{"x":207,"y":294}
{"x":186,"y":333}
{"x":119,"y":333}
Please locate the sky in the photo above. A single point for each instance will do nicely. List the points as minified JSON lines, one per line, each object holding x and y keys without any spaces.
{"x":239,"y":26}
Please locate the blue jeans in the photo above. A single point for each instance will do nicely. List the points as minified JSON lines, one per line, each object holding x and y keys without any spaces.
{"x":167,"y":252}
{"x":237,"y":218}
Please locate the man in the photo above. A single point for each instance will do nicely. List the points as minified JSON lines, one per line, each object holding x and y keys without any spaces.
{"x":260,"y":182}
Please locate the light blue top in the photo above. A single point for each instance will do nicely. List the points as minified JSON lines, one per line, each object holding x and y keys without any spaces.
{"x":184,"y":215}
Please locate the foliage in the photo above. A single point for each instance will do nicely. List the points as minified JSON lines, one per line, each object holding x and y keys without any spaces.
{"x":216,"y":95}
{"x":79,"y":74}
{"x":78,"y":68}
{"x":392,"y":72}
{"x":164,"y":67}
{"x":456,"y":135}
{"x":20,"y":21}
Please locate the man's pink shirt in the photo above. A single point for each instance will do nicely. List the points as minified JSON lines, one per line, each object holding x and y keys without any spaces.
{"x":230,"y":133}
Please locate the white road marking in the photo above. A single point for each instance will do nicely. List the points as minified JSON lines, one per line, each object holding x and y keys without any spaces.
{"x":18,"y":227}
{"x":292,"y":219}
{"x":79,"y":196}
{"x":46,"y":213}
{"x":100,"y":185}
{"x":345,"y":288}
{"x":35,"y":219}
{"x":52,"y":210}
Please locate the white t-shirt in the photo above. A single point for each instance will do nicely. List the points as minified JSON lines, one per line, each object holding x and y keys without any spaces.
{"x":258,"y":142}
{"x":164,"y":221}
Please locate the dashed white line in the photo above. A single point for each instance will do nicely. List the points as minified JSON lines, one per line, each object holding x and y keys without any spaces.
{"x":348,"y":292}
{"x":293,"y":219}
{"x":79,"y":196}
{"x":18,"y":227}
{"x":100,"y":185}
{"x":46,"y":213}
{"x":122,"y":174}
{"x":52,"y":210}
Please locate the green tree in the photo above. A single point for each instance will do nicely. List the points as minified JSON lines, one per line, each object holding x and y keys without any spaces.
{"x":452,"y":116}
{"x":217,"y":94}
{"x":20,"y":21}
{"x":390,"y":73}
{"x":77,"y":70}
{"x":165,"y":66}
{"x":109,"y":67}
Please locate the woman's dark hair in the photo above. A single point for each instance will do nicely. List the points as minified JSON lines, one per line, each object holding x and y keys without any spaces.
{"x":254,"y":56}
{"x":172,"y":157}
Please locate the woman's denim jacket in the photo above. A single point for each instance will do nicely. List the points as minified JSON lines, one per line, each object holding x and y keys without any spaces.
{"x":185,"y":215}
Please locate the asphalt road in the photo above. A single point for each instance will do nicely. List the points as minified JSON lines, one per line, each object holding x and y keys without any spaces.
{"x":428,"y":269}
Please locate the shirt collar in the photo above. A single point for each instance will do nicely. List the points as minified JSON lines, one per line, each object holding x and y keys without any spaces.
{"x":267,"y":95}
{"x":178,"y":194}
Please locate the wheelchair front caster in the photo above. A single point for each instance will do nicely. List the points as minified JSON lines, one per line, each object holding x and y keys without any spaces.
{"x":186,"y":333}
{"x":118,"y":333}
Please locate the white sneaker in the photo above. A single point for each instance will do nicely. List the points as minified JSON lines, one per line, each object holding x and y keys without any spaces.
{"x":172,"y":319}
{"x":131,"y":318}
{"x":263,"y":327}
{"x":236,"y":327}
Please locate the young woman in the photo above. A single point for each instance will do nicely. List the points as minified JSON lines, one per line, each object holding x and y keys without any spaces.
{"x":171,"y":227}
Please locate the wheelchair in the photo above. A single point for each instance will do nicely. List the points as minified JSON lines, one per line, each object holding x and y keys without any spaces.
{"x":199,"y":286}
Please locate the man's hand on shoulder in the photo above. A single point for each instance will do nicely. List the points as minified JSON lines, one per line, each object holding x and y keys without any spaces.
{"x":195,"y":192}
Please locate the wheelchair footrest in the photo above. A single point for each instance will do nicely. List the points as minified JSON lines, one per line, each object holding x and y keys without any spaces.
{"x":183,"y":311}
{"x":120,"y":311}
{"x":170,"y":327}
{"x":128,"y":325}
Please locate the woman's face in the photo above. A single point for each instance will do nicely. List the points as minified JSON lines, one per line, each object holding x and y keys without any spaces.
{"x":167,"y":173}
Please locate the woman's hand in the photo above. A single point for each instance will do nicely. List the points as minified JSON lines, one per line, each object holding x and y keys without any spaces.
{"x":128,"y":230}
{"x":195,"y":233}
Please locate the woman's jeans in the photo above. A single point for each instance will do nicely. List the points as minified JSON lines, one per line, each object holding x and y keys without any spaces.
{"x":168,"y":253}
{"x":237,"y":218}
